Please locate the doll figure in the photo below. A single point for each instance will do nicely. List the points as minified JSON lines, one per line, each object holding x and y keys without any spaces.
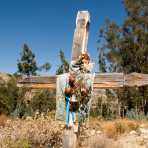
{"x":87,"y":66}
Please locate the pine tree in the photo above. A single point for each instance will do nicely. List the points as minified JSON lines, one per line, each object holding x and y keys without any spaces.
{"x":27,"y":64}
{"x":64,"y":67}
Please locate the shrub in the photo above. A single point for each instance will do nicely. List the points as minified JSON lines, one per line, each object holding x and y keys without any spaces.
{"x":8,"y":96}
{"x":44,"y":101}
{"x":120,"y":127}
{"x":115,"y":128}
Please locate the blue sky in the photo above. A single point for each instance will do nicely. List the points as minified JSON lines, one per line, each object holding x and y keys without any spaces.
{"x":48,"y":26}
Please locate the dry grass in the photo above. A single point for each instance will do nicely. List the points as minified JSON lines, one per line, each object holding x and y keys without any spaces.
{"x":45,"y":132}
{"x":115,"y":128}
{"x":30,"y":133}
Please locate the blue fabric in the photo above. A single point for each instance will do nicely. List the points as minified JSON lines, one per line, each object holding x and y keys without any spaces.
{"x":67,"y":109}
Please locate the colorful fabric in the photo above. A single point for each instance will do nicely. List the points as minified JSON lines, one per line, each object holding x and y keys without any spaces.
{"x":84,"y":107}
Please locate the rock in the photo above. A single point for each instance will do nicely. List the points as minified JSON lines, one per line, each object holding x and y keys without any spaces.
{"x":145,"y":137}
{"x":143,"y":131}
{"x":62,"y":126}
{"x":133,"y":132}
{"x":99,"y":132}
{"x":29,"y":118}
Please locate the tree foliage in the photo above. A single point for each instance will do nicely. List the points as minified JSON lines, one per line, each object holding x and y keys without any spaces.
{"x":102,"y":62}
{"x":64,"y":67}
{"x":8,"y":96}
{"x":27,"y":64}
{"x":127,"y":45}
{"x":126,"y":49}
{"x":13,"y":100}
{"x":44,"y":101}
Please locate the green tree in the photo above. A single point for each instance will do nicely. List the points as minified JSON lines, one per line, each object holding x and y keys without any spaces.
{"x":27,"y":64}
{"x":64,"y":67}
{"x":127,"y":48}
{"x":102,"y":63}
{"x":127,"y":44}
{"x":45,"y":67}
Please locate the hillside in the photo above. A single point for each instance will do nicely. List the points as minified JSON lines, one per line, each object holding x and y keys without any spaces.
{"x":4,"y":77}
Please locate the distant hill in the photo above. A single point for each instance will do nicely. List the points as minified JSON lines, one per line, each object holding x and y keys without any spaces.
{"x":4,"y":77}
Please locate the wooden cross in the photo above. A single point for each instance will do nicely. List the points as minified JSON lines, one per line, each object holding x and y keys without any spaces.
{"x":102,"y":80}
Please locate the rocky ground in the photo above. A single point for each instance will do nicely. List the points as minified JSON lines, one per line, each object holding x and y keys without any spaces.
{"x":133,"y":139}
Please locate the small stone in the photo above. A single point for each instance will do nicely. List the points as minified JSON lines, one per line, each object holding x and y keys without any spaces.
{"x":143,"y":131}
{"x":99,"y":132}
{"x":145,"y":137}
{"x":62,"y":126}
{"x":29,"y":118}
{"x":133,"y":133}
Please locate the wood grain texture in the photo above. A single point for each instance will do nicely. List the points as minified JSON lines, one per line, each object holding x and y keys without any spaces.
{"x":37,"y":86}
{"x":80,"y":38}
{"x":38,"y":80}
{"x":69,"y":139}
{"x":136,"y":79}
{"x":102,"y":80}
{"x":109,"y":80}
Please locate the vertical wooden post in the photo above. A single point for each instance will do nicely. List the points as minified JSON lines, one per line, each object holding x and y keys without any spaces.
{"x":80,"y":38}
{"x":69,"y":139}
{"x":79,"y":46}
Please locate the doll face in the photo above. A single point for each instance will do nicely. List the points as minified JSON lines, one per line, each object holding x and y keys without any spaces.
{"x":85,"y":58}
{"x":85,"y":61}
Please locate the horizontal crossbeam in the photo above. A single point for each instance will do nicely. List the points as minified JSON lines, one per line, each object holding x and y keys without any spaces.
{"x":102,"y":80}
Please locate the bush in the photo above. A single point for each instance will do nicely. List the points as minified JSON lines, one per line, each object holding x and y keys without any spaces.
{"x":44,"y":101}
{"x":13,"y":100}
{"x":133,"y":115}
{"x":117,"y":127}
{"x":8,"y":96}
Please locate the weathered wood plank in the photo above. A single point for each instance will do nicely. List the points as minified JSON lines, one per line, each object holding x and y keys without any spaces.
{"x":69,"y":139}
{"x":109,"y":80}
{"x":136,"y":79}
{"x":102,"y":80}
{"x":37,"y":86}
{"x":80,"y":38}
{"x":38,"y":80}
